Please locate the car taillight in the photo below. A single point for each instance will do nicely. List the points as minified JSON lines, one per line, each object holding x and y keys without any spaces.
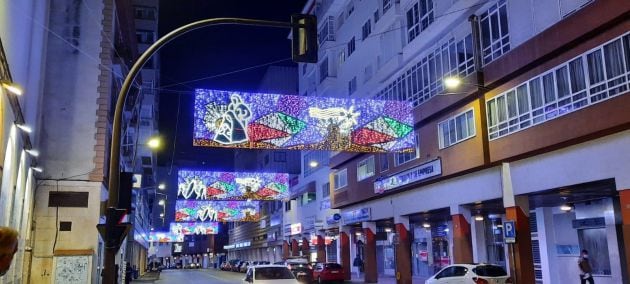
{"x":480,"y":280}
{"x":509,"y":280}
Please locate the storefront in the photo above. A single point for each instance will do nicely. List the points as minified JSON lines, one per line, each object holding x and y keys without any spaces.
{"x":431,"y":243}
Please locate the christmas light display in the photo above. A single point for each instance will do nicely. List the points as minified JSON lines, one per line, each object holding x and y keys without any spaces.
{"x":195,"y":228}
{"x":216,"y":211}
{"x":271,"y":121}
{"x":165,"y":237}
{"x":206,"y":185}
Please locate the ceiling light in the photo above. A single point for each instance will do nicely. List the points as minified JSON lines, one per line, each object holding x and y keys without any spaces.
{"x":37,"y":169}
{"x":479,"y":218}
{"x":162,"y":186}
{"x":32,"y":152}
{"x":313,"y":164}
{"x":566,"y":207}
{"x":13,"y":88}
{"x":389,"y":230}
{"x":358,"y":234}
{"x":161,"y":215}
{"x":161,"y":202}
{"x":154,"y":143}
{"x":426,"y":225}
{"x":24,"y":128}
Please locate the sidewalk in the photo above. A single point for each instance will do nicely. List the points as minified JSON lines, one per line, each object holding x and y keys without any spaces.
{"x":148,"y":277}
{"x":383,"y":279}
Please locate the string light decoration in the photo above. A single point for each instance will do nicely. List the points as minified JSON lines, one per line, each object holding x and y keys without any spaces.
{"x":207,"y":185}
{"x":165,"y":237}
{"x":216,"y":211}
{"x":195,"y":228}
{"x":272,"y":121}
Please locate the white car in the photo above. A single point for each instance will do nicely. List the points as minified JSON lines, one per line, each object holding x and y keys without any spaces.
{"x":471,"y":273}
{"x":272,"y":274}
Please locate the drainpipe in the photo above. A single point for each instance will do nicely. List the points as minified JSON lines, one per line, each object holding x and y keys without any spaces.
{"x":481,"y":88}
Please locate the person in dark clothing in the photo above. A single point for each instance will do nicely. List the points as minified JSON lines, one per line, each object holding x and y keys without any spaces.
{"x":128,"y":273}
{"x":585,"y":268}
{"x":358,"y":263}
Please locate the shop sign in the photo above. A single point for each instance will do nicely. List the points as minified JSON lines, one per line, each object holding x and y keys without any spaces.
{"x":296,"y":228}
{"x":356,"y":216}
{"x":238,"y":245}
{"x":333,"y":219}
{"x":509,"y":232}
{"x":324,"y":204}
{"x":598,"y":222}
{"x":424,"y":171}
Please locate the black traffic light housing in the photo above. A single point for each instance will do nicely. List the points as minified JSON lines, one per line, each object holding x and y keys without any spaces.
{"x":304,"y":38}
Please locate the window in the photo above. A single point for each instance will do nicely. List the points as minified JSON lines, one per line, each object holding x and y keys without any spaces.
{"x":287,"y":206}
{"x":340,"y":20}
{"x":342,"y":57}
{"x":326,"y":190}
{"x":350,"y":8}
{"x":456,"y":129}
{"x":568,"y":7}
{"x":495,"y":39}
{"x":384,"y":162}
{"x":366,"y":30}
{"x":341,"y":179}
{"x":595,"y":241}
{"x":419,"y":17}
{"x":323,"y":70}
{"x":377,"y":16}
{"x":308,"y":197}
{"x":423,"y":80}
{"x":280,"y":157}
{"x":582,"y":81}
{"x":386,"y":5}
{"x":351,"y":46}
{"x":145,"y":36}
{"x":144,"y":13}
{"x":352,"y":86}
{"x":327,"y":31}
{"x":401,"y":158}
{"x":365,"y":168}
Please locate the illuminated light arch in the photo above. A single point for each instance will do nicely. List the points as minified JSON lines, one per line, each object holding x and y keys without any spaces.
{"x":273,"y":121}
{"x":208,"y":185}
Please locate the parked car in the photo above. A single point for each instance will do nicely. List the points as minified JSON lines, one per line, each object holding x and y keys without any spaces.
{"x":471,"y":273}
{"x":324,"y":272}
{"x":300,"y":268}
{"x":270,"y":274}
{"x":237,"y":267}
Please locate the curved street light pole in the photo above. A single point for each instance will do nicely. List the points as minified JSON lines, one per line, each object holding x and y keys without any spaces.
{"x":109,"y":275}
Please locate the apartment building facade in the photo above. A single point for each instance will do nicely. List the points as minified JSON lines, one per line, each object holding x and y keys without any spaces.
{"x":537,"y":135}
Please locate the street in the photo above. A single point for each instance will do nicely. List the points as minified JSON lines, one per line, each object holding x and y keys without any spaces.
{"x":198,"y":276}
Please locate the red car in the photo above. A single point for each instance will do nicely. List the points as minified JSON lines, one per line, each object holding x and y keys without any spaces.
{"x":324,"y":272}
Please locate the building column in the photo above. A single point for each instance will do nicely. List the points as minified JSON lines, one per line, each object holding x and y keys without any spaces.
{"x":517,"y":210}
{"x":295,"y":248}
{"x":403,"y":250}
{"x":462,"y":239}
{"x":624,"y":200}
{"x":321,"y":248}
{"x":306,"y":248}
{"x":344,"y":251}
{"x":285,"y":249}
{"x":369,"y":263}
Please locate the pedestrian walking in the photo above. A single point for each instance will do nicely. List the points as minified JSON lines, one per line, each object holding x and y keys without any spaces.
{"x":8,"y":248}
{"x":358,"y":263}
{"x":128,"y":273}
{"x":585,"y":268}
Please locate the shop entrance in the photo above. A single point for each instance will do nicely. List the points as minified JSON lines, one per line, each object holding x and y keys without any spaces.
{"x":430,"y":249}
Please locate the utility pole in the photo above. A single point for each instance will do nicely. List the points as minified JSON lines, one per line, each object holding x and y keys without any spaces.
{"x":304,"y":41}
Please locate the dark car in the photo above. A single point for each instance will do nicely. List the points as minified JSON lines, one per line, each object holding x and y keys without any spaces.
{"x":324,"y":272}
{"x":300,"y":267}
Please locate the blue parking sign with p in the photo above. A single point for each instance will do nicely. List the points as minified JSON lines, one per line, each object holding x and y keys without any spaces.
{"x":509,"y":232}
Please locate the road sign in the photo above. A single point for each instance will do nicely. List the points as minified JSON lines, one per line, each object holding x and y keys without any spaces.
{"x":509,"y":232}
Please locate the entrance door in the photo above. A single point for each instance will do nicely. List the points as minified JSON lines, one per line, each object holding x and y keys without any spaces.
{"x":389,"y":260}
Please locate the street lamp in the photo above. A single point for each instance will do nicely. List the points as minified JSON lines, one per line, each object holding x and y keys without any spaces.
{"x":161,"y":186}
{"x":154,"y":142}
{"x":13,"y":88}
{"x":161,"y":202}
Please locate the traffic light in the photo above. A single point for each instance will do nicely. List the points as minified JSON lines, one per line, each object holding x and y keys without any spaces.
{"x":304,"y":38}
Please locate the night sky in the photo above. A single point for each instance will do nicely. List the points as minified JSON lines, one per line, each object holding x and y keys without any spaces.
{"x":211,"y":51}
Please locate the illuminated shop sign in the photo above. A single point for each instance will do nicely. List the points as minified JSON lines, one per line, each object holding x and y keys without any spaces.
{"x":272,"y":121}
{"x":195,"y":228}
{"x":333,"y":219}
{"x":238,"y":245}
{"x":165,"y":237}
{"x":356,"y":216}
{"x":206,"y":185}
{"x":296,"y":228}
{"x":216,"y":211}
{"x":424,"y":171}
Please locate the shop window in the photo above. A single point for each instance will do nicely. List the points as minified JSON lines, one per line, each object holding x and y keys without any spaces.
{"x":456,"y":129}
{"x":595,"y":241}
{"x":341,"y":179}
{"x":495,"y":39}
{"x":365,"y":168}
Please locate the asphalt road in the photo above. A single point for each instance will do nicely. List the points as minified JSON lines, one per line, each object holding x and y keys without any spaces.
{"x":198,"y":276}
